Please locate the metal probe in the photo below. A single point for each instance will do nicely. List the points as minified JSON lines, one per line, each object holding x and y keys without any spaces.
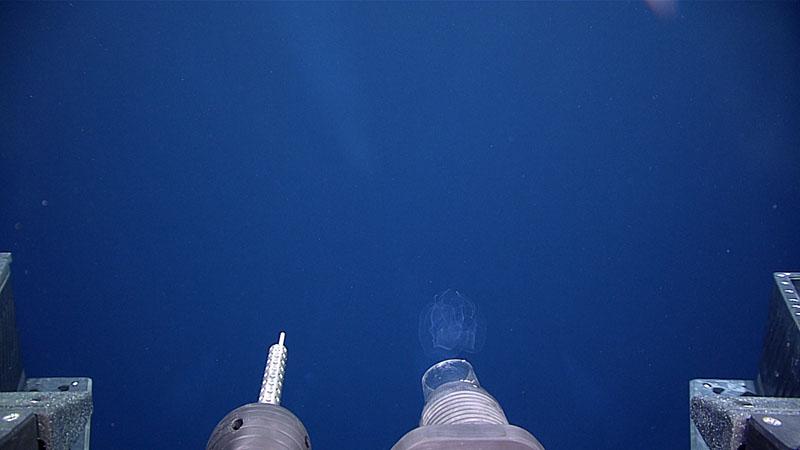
{"x":272,"y":383}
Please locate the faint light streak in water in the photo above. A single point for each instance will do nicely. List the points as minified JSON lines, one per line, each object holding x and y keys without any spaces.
{"x":665,"y":9}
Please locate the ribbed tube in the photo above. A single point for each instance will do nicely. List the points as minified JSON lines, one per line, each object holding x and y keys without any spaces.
{"x":471,"y":405}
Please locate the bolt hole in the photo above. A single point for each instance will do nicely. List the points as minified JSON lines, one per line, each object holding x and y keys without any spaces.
{"x":236,"y":424}
{"x":718,"y":390}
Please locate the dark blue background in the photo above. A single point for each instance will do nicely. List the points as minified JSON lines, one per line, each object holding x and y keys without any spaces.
{"x":613,"y":187}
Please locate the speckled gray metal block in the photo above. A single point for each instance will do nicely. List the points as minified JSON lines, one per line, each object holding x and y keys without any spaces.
{"x":707,"y":423}
{"x":63,"y":409}
{"x":720,"y":410}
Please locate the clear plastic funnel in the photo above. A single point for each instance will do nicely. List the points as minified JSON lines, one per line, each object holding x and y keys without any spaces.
{"x":445,"y":372}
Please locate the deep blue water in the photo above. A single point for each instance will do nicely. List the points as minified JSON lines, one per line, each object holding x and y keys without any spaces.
{"x":612,"y":188}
